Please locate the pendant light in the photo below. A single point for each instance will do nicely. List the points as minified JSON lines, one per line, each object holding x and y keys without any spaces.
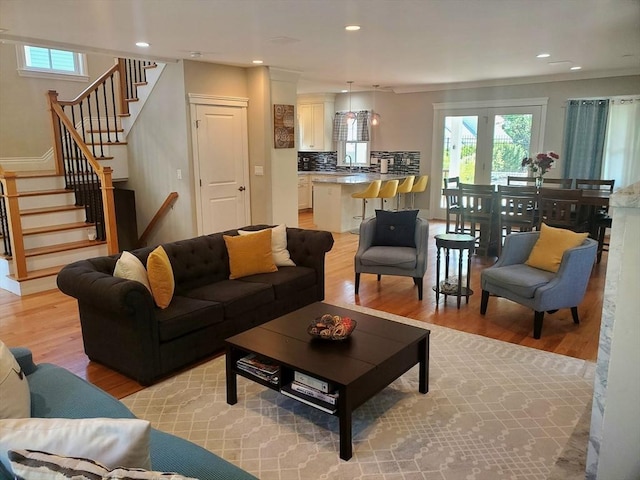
{"x":350,"y":115}
{"x":375,"y":117}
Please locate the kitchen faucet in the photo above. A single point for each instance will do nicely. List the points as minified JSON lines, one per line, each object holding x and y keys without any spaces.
{"x":348,"y":157}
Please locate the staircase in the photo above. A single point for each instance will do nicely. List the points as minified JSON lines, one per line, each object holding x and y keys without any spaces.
{"x":55,"y":212}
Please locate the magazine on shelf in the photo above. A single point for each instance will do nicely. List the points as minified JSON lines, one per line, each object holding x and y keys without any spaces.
{"x":259,"y":363}
{"x":311,"y":401}
{"x":331,"y":398}
{"x":269,"y":377}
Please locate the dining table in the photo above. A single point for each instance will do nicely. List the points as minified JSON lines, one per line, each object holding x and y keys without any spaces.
{"x":592,"y":199}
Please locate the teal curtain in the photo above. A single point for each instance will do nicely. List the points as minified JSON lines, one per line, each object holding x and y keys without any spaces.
{"x":584,"y":138}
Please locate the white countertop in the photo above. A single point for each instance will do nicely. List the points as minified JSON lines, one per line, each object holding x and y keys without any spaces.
{"x":342,"y":178}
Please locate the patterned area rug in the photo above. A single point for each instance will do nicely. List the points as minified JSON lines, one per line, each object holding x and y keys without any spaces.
{"x":494,"y":411}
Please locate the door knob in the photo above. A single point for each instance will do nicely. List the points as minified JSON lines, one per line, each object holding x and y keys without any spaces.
{"x":242,"y":189}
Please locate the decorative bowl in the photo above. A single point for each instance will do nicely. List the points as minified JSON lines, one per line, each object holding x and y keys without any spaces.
{"x":331,"y":327}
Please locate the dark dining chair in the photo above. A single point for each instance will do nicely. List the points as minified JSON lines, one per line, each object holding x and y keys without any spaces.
{"x":517,"y":210}
{"x":557,"y":182}
{"x":476,"y":205}
{"x":452,"y":208}
{"x":520,"y":181}
{"x":599,"y":218}
{"x":562,"y":208}
{"x":451,"y":200}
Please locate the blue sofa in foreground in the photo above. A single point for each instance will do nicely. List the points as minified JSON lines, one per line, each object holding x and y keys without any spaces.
{"x":58,"y":393}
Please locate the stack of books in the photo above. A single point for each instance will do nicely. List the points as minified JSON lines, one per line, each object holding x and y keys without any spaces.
{"x":312,"y":391}
{"x":260,"y":367}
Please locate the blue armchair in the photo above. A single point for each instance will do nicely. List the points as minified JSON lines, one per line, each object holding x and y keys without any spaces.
{"x":392,"y":260}
{"x":540,"y":290}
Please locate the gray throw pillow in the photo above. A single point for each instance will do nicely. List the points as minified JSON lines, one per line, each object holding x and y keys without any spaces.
{"x":395,"y":229}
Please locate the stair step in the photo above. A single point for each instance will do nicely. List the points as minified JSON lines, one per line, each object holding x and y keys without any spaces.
{"x":43,"y":272}
{"x":140,"y":84}
{"x":62,"y":247}
{"x":107,"y":143}
{"x":132,"y":100}
{"x":59,"y":208}
{"x":151,"y":65}
{"x":37,"y":174}
{"x":104,"y":130}
{"x":55,"y":228}
{"x":35,"y":193}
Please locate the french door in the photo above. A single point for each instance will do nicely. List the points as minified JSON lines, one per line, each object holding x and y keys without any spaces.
{"x":483,"y":143}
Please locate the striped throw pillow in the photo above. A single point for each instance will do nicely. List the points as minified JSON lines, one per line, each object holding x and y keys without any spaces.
{"x":36,"y":465}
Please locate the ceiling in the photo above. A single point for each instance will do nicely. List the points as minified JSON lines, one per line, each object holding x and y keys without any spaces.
{"x":403,"y":45}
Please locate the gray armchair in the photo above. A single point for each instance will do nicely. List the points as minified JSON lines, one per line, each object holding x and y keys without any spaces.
{"x":392,"y":260}
{"x":540,"y":290}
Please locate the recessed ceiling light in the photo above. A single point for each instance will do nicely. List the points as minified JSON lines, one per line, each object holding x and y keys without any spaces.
{"x":576,"y":68}
{"x":142,"y":44}
{"x":257,"y":62}
{"x":543,"y":55}
{"x":352,"y":28}
{"x":344,"y":90}
{"x":195,"y":54}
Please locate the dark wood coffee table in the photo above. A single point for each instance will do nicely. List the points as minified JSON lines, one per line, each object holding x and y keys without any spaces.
{"x":378,"y":352}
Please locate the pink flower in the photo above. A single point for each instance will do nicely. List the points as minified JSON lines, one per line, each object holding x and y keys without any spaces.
{"x":541,"y":163}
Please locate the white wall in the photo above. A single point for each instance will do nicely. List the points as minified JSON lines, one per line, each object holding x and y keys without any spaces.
{"x":284,"y":163}
{"x":25,"y":122}
{"x":158,"y":147}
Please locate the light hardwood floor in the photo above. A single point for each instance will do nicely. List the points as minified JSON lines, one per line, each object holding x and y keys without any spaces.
{"x":48,"y":322}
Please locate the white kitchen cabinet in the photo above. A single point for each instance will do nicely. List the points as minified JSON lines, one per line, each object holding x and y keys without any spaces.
{"x":303,"y":192}
{"x":312,"y":127}
{"x":315,"y":123}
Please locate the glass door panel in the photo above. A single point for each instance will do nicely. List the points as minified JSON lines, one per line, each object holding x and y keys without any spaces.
{"x":460,"y":145}
{"x":512,"y":135}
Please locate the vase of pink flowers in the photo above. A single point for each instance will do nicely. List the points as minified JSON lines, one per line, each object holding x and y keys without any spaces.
{"x":539,"y":165}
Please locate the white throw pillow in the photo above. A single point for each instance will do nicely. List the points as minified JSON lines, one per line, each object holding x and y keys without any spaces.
{"x":114,"y":442}
{"x":130,"y":267}
{"x":36,"y":465}
{"x":15,"y":397}
{"x":279,"y":250}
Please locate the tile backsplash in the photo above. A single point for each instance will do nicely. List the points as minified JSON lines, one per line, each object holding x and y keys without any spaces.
{"x":400,"y":162}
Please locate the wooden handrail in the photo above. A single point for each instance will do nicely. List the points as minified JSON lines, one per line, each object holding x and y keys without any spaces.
{"x":77,"y":138}
{"x":91,"y":88}
{"x":162,"y":211}
{"x":104,"y":173}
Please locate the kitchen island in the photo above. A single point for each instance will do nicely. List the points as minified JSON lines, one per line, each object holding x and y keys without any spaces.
{"x":334,"y":209}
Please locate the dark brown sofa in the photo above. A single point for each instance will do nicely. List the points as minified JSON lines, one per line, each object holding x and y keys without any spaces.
{"x":124,"y":330}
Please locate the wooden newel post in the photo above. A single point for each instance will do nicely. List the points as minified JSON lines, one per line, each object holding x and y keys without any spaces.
{"x":15,"y":226}
{"x":122,"y":83}
{"x":52,"y":95}
{"x":109,"y":208}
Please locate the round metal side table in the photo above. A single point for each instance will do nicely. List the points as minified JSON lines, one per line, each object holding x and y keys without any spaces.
{"x":454,"y":241}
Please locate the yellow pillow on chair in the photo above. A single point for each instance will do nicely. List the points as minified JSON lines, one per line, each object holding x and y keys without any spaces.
{"x":250,"y":254}
{"x":551,"y":245}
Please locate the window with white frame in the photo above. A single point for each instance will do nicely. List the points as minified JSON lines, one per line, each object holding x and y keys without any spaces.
{"x":353,"y":139}
{"x":36,"y":61}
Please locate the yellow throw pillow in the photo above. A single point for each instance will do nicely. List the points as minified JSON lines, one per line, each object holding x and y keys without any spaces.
{"x":160,"y":277}
{"x":551,"y":245}
{"x":250,"y":254}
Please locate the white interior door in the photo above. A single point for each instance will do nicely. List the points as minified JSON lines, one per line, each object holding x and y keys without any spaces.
{"x":221,"y":139}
